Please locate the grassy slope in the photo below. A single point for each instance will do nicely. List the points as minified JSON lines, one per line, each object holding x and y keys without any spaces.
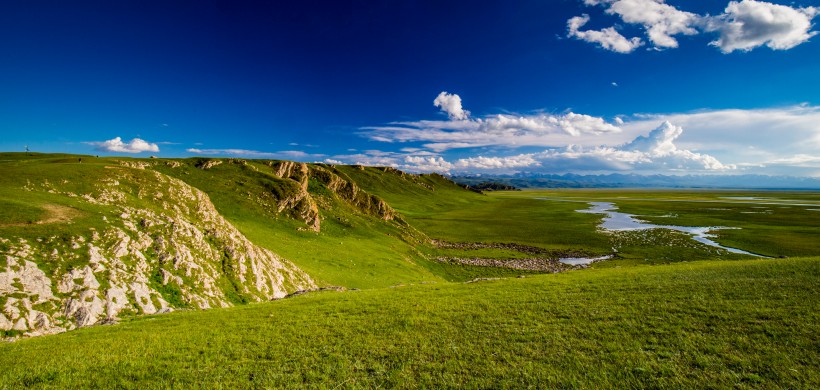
{"x":452,"y":214}
{"x":26,"y":207}
{"x":745,"y":324}
{"x":352,"y":249}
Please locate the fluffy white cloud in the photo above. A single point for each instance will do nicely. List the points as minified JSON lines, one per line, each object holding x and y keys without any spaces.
{"x":426,"y":164}
{"x":136,"y":145}
{"x":655,"y":152}
{"x":744,"y":25}
{"x":451,"y":104}
{"x":660,"y":20}
{"x":772,"y":140}
{"x":608,"y":38}
{"x":780,"y":131}
{"x":749,"y":24}
{"x":497,"y":130}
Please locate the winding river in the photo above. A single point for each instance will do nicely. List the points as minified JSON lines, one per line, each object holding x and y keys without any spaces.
{"x":617,"y":221}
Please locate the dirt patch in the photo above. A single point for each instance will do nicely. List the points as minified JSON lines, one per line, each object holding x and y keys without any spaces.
{"x":54,"y":214}
{"x":58,"y":214}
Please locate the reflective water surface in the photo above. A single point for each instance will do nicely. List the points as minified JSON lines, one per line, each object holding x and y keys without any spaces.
{"x":614,"y":220}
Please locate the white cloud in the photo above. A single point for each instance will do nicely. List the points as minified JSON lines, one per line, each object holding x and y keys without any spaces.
{"x":655,"y":152}
{"x":426,"y":164}
{"x":752,"y":140}
{"x":660,"y":20}
{"x":136,"y":145}
{"x":782,"y":131}
{"x":608,"y":38}
{"x":497,"y":130}
{"x":744,"y":25}
{"x":451,"y":104}
{"x":284,"y":155}
{"x":495,"y":163}
{"x":750,"y":24}
{"x":800,"y":160}
{"x":776,"y":141}
{"x":333,"y":162}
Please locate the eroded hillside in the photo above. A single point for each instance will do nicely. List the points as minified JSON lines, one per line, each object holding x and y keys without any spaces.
{"x":86,"y":242}
{"x":158,"y":244}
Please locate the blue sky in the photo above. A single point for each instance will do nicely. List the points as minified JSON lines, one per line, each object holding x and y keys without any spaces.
{"x":585,"y":86}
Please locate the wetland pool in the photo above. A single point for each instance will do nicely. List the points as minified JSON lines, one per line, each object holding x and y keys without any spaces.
{"x":618,"y":221}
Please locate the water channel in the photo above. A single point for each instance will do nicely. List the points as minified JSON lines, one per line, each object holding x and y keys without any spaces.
{"x":616,"y":221}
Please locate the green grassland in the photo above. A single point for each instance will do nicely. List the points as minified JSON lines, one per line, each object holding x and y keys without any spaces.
{"x":713,"y":324}
{"x":666,"y":311}
{"x":771,"y":223}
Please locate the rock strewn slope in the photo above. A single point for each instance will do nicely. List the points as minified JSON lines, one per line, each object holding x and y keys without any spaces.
{"x":165,"y":246}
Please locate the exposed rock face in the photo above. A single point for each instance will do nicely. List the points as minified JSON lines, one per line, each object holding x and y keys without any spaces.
{"x":208,"y":164}
{"x":180,"y":252}
{"x":303,"y":205}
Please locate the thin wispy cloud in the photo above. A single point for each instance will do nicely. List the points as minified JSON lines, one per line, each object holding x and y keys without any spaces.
{"x":116,"y":145}
{"x":743,"y":26}
{"x":285,"y":154}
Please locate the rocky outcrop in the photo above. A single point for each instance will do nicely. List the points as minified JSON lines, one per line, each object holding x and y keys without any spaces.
{"x":303,"y":205}
{"x":208,"y":164}
{"x":299,"y":202}
{"x":174,"y":251}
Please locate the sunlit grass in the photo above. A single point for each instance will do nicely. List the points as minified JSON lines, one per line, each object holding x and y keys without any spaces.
{"x":746,"y":324}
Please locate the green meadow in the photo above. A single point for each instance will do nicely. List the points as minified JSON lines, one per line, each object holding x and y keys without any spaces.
{"x":664,"y":312}
{"x":708,"y":324}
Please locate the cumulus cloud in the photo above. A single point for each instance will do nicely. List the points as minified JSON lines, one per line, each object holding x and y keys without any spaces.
{"x":757,"y":140}
{"x":426,"y":164}
{"x":742,"y":137}
{"x":653,"y":152}
{"x":749,"y":24}
{"x":451,"y":104}
{"x":136,"y":145}
{"x":496,"y":130}
{"x":744,"y":25}
{"x":660,"y":20}
{"x":608,"y":38}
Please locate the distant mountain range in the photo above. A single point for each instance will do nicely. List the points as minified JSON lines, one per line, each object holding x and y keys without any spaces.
{"x":616,"y":180}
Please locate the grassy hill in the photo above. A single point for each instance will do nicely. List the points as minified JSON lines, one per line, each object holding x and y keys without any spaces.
{"x":712,"y":324}
{"x":433,"y":285}
{"x":89,"y":240}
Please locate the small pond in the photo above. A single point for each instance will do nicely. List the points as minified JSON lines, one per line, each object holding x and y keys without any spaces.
{"x":583,"y":260}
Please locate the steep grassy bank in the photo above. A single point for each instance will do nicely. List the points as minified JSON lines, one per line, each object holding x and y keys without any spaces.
{"x":744,"y":324}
